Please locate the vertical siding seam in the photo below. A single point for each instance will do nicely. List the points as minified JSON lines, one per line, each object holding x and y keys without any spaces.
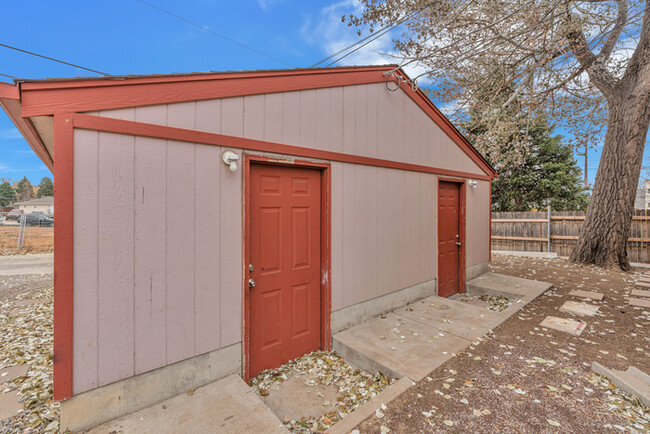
{"x":194,"y":231}
{"x":165,"y":237}
{"x":97,"y":135}
{"x":133,"y":192}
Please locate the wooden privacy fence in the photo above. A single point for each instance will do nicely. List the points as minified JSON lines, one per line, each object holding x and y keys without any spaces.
{"x":528,"y":232}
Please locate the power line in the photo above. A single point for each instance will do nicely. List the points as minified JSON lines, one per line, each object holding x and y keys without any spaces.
{"x":374,"y":36}
{"x":7,"y":75}
{"x":52,"y":59}
{"x":214,"y":33}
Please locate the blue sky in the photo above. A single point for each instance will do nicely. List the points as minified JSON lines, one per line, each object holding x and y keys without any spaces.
{"x":128,"y":37}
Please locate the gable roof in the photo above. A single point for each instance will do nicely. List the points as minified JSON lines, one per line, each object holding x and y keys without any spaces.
{"x":29,"y":99}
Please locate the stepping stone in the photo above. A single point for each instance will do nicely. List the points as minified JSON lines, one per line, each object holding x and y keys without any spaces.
{"x":588,"y":294}
{"x":10,"y":404}
{"x":564,"y":325}
{"x":645,"y":279}
{"x":640,"y":293}
{"x":639,"y":302}
{"x":579,"y":308}
{"x":8,"y":374}
{"x":643,"y":285}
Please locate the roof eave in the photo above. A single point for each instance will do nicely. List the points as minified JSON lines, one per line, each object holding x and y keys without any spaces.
{"x":10,"y":102}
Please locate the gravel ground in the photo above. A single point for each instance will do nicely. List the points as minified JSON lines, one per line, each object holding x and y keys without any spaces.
{"x":12,"y":286}
{"x":525,"y":378}
{"x":26,"y":338}
{"x":353,"y":387}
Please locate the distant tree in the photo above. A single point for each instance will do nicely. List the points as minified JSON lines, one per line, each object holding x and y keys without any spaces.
{"x":45,"y":188}
{"x":7,"y":194}
{"x":546,"y":173}
{"x":24,"y":190}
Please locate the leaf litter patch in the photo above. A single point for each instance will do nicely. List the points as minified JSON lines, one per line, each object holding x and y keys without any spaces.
{"x":26,"y":336}
{"x":320,"y":368}
{"x":497,"y":303}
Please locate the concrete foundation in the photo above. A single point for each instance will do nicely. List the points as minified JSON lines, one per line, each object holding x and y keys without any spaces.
{"x":224,"y":406}
{"x":135,"y":393}
{"x":357,"y":313}
{"x":476,"y":270}
{"x":632,"y":381}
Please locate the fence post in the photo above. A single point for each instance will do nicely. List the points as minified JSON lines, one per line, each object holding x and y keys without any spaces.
{"x":548,"y":229}
{"x":21,"y":231}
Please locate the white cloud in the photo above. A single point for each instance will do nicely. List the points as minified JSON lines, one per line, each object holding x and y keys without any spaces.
{"x":10,"y":133}
{"x":268,"y":4}
{"x":331,"y":34}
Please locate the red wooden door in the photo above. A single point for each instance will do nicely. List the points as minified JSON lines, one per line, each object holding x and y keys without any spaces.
{"x":285,"y":246}
{"x":448,"y":238}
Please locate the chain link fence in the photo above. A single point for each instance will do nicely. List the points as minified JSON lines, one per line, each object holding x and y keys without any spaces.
{"x":26,"y":233}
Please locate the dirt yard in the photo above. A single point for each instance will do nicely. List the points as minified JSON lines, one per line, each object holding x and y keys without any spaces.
{"x":26,"y":340}
{"x":525,"y":378}
{"x":37,"y":240}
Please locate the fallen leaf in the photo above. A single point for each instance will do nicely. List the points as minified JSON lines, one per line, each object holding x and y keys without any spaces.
{"x":553,"y":422}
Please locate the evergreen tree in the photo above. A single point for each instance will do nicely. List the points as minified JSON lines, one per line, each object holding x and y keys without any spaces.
{"x":7,"y":194}
{"x":546,"y":171}
{"x":46,"y":187}
{"x":24,"y":190}
{"x":548,"y":175}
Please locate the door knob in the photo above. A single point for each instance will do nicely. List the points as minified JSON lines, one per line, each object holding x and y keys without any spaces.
{"x":251,"y":283}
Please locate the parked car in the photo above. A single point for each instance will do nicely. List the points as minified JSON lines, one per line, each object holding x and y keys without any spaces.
{"x":38,"y":219}
{"x":14,"y":214}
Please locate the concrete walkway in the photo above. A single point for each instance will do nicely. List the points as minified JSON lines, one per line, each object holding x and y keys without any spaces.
{"x":39,"y":263}
{"x":225,"y":406}
{"x":414,"y":340}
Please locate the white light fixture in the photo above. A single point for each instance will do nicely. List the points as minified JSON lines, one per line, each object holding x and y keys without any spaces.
{"x":230,"y":158}
{"x":472,"y":183}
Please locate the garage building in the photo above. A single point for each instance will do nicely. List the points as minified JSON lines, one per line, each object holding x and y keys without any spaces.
{"x":211,"y":223}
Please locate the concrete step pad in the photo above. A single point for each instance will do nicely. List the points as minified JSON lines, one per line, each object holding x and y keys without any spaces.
{"x":462,"y":319}
{"x":639,"y":302}
{"x":588,"y":294}
{"x":642,"y":284}
{"x":640,"y":293}
{"x":564,"y":325}
{"x":353,"y":419}
{"x":10,"y":404}
{"x":632,"y":381}
{"x":377,"y":345}
{"x":226,"y":406}
{"x":579,"y":308}
{"x":501,"y":284}
{"x":13,"y":372}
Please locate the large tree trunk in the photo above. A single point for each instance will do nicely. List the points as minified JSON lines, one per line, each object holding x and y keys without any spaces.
{"x":603,"y":238}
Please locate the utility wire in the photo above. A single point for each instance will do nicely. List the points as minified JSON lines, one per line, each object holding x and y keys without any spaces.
{"x":52,"y":59}
{"x":374,"y":36}
{"x":185,"y":20}
{"x":7,"y":75}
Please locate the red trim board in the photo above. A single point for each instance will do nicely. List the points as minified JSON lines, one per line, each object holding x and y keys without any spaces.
{"x":83,"y":95}
{"x":98,"y":123}
{"x":63,"y":255}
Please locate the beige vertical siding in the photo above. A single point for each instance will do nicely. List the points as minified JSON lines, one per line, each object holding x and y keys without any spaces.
{"x":383,"y":232}
{"x":158,"y":224}
{"x":366,"y":120}
{"x":148,"y":283}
